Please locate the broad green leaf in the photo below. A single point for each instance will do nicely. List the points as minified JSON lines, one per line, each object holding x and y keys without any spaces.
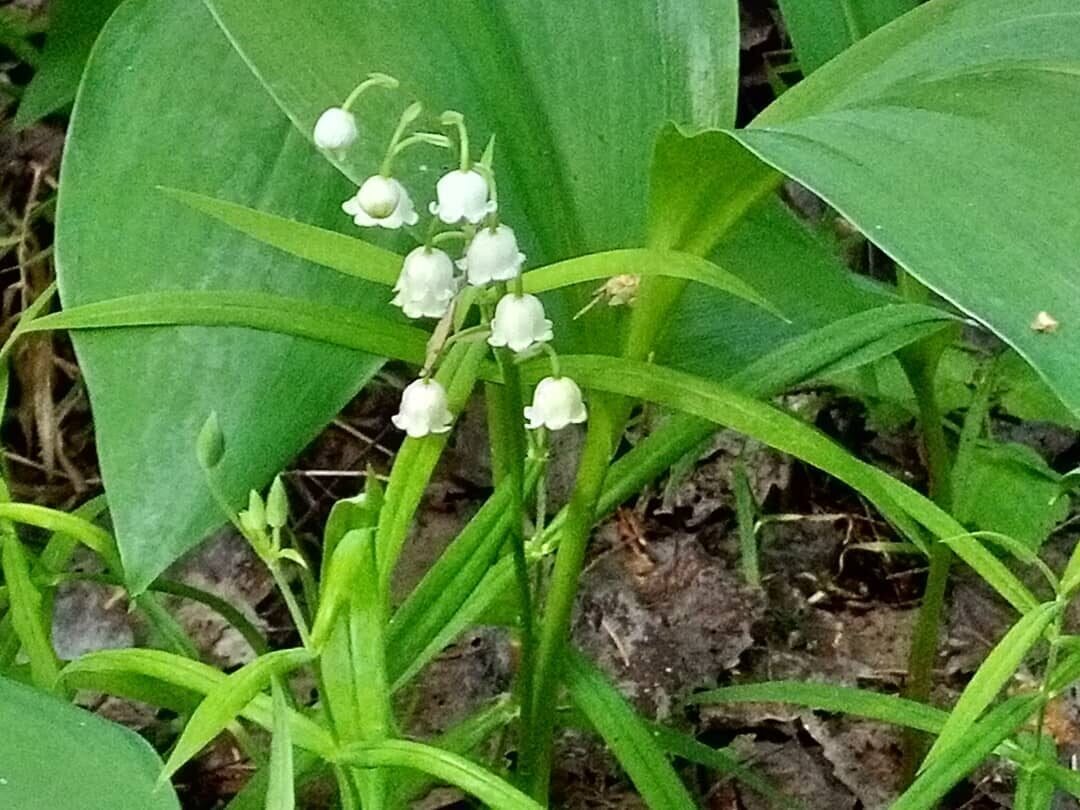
{"x":263,"y":312}
{"x":155,"y":676}
{"x":821,"y":29}
{"x":715,"y":335}
{"x":1032,"y":509}
{"x":54,"y":755}
{"x":527,"y":72}
{"x":967,"y":753}
{"x":1027,"y":396}
{"x":903,"y":506}
{"x":628,"y":737}
{"x":827,"y":697}
{"x":32,"y":627}
{"x":281,"y":790}
{"x":229,"y":698}
{"x":990,"y":678}
{"x":532,"y":74}
{"x":136,"y":127}
{"x":972,"y":99}
{"x":73,"y":27}
{"x":451,"y":768}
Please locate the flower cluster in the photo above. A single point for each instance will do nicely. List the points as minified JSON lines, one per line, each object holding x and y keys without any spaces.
{"x":465,"y":210}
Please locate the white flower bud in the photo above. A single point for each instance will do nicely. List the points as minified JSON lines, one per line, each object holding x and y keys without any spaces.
{"x":493,"y":255}
{"x":426,"y":285}
{"x":423,"y":409}
{"x":519,"y":323}
{"x":335,"y":129}
{"x":556,"y":403}
{"x":383,"y":202}
{"x":462,"y":196}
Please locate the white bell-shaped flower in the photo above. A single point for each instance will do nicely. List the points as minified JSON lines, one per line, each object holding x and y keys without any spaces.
{"x":519,"y":323}
{"x":493,"y":255}
{"x":462,"y":195}
{"x":335,"y":129}
{"x":383,"y":202}
{"x":423,"y":409}
{"x":556,"y":403}
{"x":426,"y":285}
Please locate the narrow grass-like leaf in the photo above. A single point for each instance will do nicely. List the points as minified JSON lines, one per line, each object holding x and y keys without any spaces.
{"x":721,"y":760}
{"x":450,"y":768}
{"x":222,"y":607}
{"x":30,"y":625}
{"x":459,"y":739}
{"x":143,"y":674}
{"x":58,"y":548}
{"x":66,"y":523}
{"x":453,"y":577}
{"x":990,"y":678}
{"x":228,"y":699}
{"x":306,"y":766}
{"x":903,"y":506}
{"x":366,"y":622}
{"x":353,"y":257}
{"x":252,"y":310}
{"x":281,"y":791}
{"x":29,"y":314}
{"x":496,"y":581}
{"x":642,"y":262}
{"x":628,"y":737}
{"x":965,"y":754}
{"x":830,"y":698}
{"x":1064,"y":778}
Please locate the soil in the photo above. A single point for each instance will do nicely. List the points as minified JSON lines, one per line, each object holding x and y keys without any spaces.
{"x":664,"y":607}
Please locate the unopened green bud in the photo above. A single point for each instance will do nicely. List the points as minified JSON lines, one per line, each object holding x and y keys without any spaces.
{"x":210,"y":445}
{"x":277,"y":505}
{"x":257,"y":510}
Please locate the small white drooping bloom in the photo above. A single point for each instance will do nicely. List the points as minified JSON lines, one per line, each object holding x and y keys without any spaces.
{"x":519,"y":323}
{"x":462,"y":195}
{"x":556,"y":403}
{"x":426,"y":285}
{"x":383,"y":202}
{"x":335,"y":129}
{"x":493,"y":255}
{"x":423,"y":409}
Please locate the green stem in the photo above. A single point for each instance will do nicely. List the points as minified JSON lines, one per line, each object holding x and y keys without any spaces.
{"x":569,"y":560}
{"x":1051,"y":665}
{"x":508,"y":462}
{"x":295,"y":613}
{"x":373,"y":80}
{"x":920,"y":363}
